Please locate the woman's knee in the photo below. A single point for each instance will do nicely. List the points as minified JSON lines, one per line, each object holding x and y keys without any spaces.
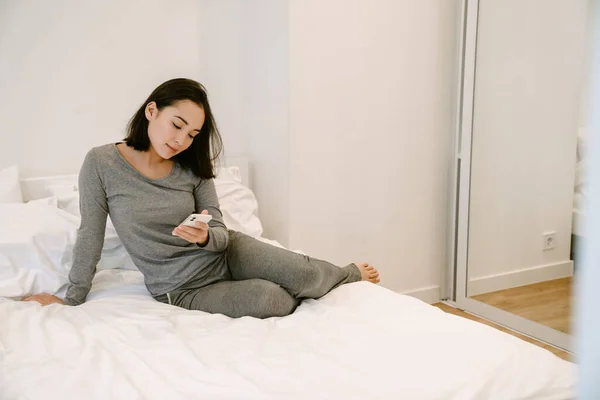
{"x":239,"y":247}
{"x":275,"y":301}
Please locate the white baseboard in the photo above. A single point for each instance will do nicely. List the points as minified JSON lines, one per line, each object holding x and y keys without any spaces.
{"x":528,"y":276}
{"x":429,"y":294}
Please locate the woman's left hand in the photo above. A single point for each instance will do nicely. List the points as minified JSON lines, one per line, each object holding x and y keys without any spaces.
{"x":43,"y":298}
{"x":197,"y":234}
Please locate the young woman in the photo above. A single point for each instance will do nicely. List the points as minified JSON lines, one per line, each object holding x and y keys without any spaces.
{"x":149,"y":184}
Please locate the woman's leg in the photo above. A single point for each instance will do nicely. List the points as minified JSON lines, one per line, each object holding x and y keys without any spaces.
{"x":302,"y":276}
{"x":254,"y":298}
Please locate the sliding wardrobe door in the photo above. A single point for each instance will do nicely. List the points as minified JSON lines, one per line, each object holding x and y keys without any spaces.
{"x":520,"y":163}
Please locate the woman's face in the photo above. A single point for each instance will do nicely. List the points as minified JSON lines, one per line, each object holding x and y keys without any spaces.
{"x":172,"y":129}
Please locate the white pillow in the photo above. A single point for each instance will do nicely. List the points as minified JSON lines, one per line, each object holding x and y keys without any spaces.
{"x":66,"y":195}
{"x":70,"y":203}
{"x":10,"y":188}
{"x":61,"y":188}
{"x":36,"y":250}
{"x":46,"y":201}
{"x":67,"y":199}
{"x":238,"y":203}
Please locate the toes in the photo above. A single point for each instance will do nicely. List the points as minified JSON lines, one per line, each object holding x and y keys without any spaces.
{"x":369,"y":272}
{"x":374,"y":276}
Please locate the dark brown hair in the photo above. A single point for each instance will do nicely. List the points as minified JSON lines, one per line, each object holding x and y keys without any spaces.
{"x":206,"y":146}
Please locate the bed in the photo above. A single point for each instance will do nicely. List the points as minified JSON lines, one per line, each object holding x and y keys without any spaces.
{"x":360,"y":341}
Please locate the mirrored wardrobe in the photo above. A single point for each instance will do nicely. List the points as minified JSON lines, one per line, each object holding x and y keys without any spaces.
{"x":520,"y":163}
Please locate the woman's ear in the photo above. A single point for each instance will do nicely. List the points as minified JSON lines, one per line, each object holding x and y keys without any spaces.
{"x":151,"y":111}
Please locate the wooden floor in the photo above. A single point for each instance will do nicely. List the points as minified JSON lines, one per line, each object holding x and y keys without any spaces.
{"x":562,"y":354}
{"x":548,"y":303}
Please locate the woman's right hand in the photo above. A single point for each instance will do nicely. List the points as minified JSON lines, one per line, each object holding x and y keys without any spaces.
{"x":44,"y":299}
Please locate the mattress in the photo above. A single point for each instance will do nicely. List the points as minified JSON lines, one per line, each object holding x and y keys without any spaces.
{"x":361,"y":341}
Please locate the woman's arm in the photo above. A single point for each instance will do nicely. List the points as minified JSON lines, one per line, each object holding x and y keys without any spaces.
{"x":206,"y":198}
{"x":93,"y":205}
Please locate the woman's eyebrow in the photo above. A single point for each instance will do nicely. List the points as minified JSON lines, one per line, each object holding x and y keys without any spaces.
{"x":177,"y":116}
{"x":184,"y":121}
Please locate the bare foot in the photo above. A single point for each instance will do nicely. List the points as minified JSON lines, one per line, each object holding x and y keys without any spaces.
{"x":368,"y":272}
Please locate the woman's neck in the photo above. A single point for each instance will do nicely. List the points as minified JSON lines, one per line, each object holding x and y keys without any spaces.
{"x":151,"y":158}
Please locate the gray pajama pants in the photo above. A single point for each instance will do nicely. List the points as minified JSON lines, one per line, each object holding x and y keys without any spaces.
{"x":262,"y":281}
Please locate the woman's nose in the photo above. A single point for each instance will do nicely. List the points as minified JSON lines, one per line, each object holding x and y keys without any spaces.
{"x":180,"y":138}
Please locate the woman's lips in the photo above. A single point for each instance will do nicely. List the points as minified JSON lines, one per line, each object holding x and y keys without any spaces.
{"x":172,"y":149}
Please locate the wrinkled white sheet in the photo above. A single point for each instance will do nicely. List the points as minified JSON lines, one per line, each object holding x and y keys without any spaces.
{"x":360,"y":341}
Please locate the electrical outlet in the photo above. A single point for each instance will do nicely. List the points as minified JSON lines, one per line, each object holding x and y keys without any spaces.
{"x":549,"y":242}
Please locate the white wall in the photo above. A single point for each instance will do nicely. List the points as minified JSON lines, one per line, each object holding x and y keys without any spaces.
{"x":345,"y":108}
{"x":526,"y":116}
{"x":220,"y":49}
{"x":266,"y":110}
{"x":400,"y":59}
{"x":372,"y":86}
{"x":72,"y":73}
{"x":244,"y":53}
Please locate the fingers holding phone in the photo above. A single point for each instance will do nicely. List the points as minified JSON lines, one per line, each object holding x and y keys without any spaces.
{"x":194,"y":228}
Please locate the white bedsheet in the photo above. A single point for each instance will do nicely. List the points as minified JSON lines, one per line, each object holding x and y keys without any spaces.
{"x":360,"y":341}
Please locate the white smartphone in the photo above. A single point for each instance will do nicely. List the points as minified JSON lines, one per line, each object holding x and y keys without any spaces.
{"x":190,"y":221}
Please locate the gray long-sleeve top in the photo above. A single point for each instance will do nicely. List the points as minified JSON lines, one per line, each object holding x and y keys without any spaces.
{"x":144,"y":212}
